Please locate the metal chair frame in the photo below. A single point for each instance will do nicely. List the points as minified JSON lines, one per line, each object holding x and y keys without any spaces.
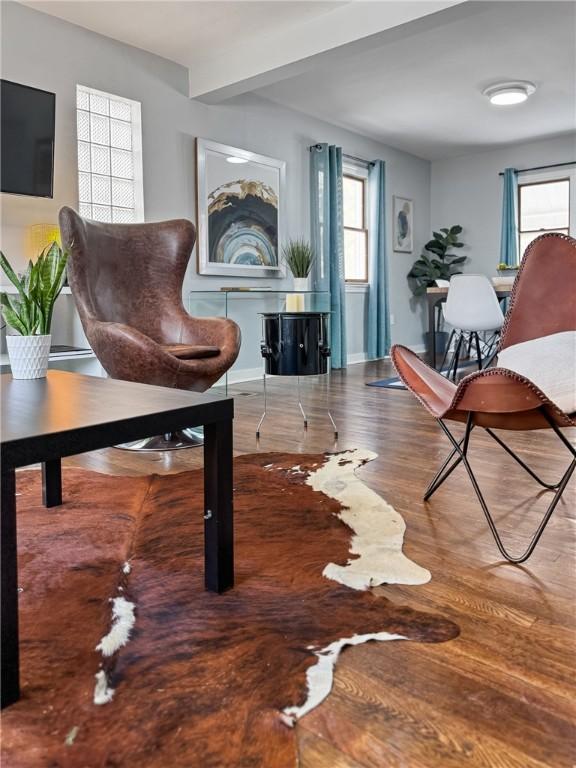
{"x":460,"y":449}
{"x":486,"y":350}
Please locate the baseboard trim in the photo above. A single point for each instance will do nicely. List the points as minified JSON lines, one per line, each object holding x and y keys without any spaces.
{"x":244,"y":374}
{"x":357,"y":357}
{"x":362,"y":357}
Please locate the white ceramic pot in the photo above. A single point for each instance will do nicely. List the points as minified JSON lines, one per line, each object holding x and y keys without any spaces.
{"x":301,"y":283}
{"x":28,"y":356}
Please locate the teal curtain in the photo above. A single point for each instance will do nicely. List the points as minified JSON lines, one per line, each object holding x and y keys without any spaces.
{"x":509,"y":236}
{"x":378,"y":333}
{"x":327,"y":235}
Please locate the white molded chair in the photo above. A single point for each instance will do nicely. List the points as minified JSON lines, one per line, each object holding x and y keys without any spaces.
{"x":472,"y":307}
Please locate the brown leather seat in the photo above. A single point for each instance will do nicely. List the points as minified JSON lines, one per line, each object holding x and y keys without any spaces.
{"x":126,"y":280}
{"x":543,"y":302}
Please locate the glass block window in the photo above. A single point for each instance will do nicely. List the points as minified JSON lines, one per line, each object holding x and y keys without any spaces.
{"x":109,"y":157}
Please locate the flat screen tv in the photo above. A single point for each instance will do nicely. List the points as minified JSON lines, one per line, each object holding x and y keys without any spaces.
{"x":27,"y":138}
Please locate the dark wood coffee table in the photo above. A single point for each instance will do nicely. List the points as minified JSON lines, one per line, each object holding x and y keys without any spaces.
{"x":65,"y":414}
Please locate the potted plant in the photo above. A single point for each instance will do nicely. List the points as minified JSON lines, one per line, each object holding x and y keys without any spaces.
{"x":507,"y":270}
{"x":30,"y":313}
{"x":437,"y":263}
{"x":299,"y":258}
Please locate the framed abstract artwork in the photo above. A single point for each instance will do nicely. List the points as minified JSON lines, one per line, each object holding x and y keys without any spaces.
{"x":240,"y":198}
{"x":403,"y":230}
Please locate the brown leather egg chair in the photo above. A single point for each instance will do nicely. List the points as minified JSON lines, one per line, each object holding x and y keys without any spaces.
{"x":126,"y":280}
{"x":543,"y":302}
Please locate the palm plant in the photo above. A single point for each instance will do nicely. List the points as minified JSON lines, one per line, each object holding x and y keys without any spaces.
{"x":38,"y":288}
{"x":299,"y":257}
{"x":436,"y":263}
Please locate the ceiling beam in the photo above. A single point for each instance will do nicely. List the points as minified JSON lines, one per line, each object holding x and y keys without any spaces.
{"x":354,"y":26}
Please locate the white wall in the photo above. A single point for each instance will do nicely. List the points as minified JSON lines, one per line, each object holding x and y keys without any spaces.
{"x":468,"y":191}
{"x":45,"y":52}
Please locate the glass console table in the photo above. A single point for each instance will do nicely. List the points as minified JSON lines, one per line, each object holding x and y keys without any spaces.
{"x":246,"y":307}
{"x":226,"y":303}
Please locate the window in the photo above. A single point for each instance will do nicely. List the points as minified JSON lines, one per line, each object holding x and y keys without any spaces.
{"x":355,"y":229}
{"x":109,"y":157}
{"x":543,"y":206}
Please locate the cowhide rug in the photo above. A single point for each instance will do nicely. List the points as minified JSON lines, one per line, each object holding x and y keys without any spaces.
{"x":127,"y":661}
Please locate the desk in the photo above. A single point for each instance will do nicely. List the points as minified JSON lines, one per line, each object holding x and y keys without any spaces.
{"x":436,"y":296}
{"x":67,"y":413}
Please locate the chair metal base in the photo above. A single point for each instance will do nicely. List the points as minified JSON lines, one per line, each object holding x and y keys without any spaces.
{"x":460,"y":450}
{"x":171,"y":441}
{"x":485,"y":350}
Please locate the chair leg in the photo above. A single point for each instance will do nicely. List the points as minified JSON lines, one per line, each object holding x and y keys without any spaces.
{"x":440,"y":476}
{"x":447,"y":350}
{"x":478,"y":353}
{"x":456,"y":358}
{"x":461,"y":448}
{"x":492,"y":350}
{"x":470,"y":339}
{"x":510,"y":452}
{"x":490,"y":359}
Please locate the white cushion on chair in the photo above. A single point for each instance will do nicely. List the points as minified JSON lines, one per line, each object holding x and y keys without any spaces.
{"x":550,"y":363}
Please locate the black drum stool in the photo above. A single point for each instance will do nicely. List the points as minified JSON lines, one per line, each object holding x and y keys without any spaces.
{"x":295,"y":344}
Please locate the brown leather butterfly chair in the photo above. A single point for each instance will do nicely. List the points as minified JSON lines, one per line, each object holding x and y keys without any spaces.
{"x":543,"y":302}
{"x":126,"y":280}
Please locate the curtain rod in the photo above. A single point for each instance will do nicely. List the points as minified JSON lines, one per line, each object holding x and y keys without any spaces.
{"x":369,"y":163}
{"x":542,"y":167}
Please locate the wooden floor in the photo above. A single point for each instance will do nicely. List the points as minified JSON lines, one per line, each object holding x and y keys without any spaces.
{"x":503,"y":694}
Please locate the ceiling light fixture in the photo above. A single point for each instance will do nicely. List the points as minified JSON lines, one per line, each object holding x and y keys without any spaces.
{"x":236,"y":160}
{"x":507,"y":94}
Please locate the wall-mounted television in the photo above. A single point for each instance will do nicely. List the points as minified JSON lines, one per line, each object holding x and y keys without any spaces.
{"x":27,"y":118}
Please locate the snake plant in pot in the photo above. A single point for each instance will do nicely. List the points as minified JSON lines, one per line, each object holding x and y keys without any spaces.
{"x":29,"y":312}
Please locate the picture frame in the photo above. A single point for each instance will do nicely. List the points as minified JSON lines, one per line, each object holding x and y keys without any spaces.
{"x":240,"y":211}
{"x":403,"y":224}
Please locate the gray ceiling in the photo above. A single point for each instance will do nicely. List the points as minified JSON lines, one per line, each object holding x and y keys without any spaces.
{"x":422,"y":93}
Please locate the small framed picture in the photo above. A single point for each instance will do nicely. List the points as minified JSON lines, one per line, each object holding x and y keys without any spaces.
{"x":240,"y":211}
{"x":403,"y":224}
